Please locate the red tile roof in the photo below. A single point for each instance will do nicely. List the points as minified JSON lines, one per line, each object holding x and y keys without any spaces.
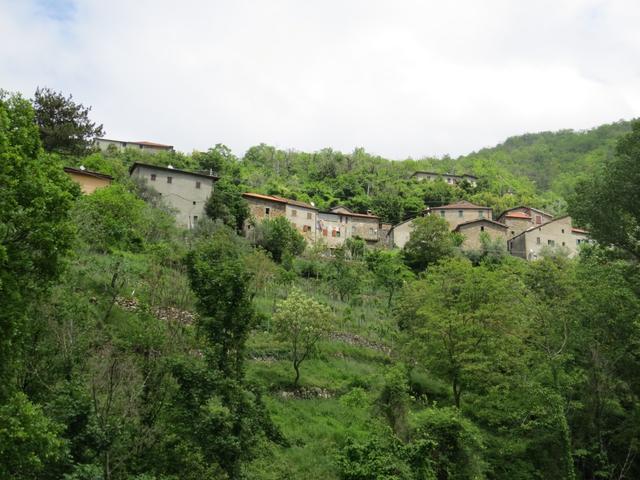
{"x":461,"y":205}
{"x":83,"y":171}
{"x":274,"y":198}
{"x":579,"y":230}
{"x":518,"y":215}
{"x":479,"y":220}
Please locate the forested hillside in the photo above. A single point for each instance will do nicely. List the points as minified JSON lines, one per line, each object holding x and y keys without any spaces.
{"x":131,"y":349}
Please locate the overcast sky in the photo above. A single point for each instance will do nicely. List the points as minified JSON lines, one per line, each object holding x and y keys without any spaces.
{"x":399,"y":78}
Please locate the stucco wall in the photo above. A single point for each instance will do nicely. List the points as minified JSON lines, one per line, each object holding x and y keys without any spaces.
{"x":304,"y":219}
{"x":181,"y":194}
{"x":401,"y":233}
{"x":104,"y":144}
{"x":88,"y":183}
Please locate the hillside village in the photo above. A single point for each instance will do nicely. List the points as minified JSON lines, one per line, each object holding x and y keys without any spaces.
{"x":524,"y":231}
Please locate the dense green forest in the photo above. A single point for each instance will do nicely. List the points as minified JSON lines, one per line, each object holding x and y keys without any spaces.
{"x":131,"y":349}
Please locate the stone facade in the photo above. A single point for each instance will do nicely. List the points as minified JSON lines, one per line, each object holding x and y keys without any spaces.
{"x":461,"y":212}
{"x":186,"y":192}
{"x":555,"y":234}
{"x":340,"y":223}
{"x":302,"y":215}
{"x":89,"y":181}
{"x":473,"y":229}
{"x":519,"y":219}
{"x":400,"y":233}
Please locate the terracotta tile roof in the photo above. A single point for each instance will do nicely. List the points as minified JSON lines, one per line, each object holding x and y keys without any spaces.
{"x":479,"y":220}
{"x":517,"y":215}
{"x":274,"y":198}
{"x":509,"y":211}
{"x":579,"y":230}
{"x":81,"y":171}
{"x":461,"y":205}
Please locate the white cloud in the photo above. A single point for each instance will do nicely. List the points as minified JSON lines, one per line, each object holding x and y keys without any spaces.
{"x":404,"y":78}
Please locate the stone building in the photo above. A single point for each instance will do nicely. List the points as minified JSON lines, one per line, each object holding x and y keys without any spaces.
{"x":186,"y":192}
{"x":473,"y":230}
{"x":303,"y":216}
{"x":558,"y":233}
{"x":460,"y":212}
{"x":519,"y":219}
{"x":399,"y":234}
{"x":340,"y":223}
{"x":89,"y":181}
{"x":448,"y":178}
{"x":104,"y":144}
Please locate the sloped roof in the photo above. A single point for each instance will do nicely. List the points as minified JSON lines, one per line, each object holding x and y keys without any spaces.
{"x":542,"y":225}
{"x":274,"y":198}
{"x":517,"y":215}
{"x":579,"y":230}
{"x":510,"y":211}
{"x":152,"y":144}
{"x":158,"y":167}
{"x":480,"y":220}
{"x":461,"y":205}
{"x":89,"y":173}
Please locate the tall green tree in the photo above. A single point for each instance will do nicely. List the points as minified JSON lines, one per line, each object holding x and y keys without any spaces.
{"x":64,"y":125}
{"x":227,"y":204}
{"x":608,"y":202}
{"x":430,"y":241}
{"x":35,"y":226}
{"x":278,"y":237}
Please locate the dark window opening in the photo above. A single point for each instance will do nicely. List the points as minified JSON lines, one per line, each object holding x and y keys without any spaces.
{"x":169,"y":179}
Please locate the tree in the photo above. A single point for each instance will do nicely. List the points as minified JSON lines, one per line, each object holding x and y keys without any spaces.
{"x":429,"y":242}
{"x":608,"y":202}
{"x":302,"y":322}
{"x":36,"y":230}
{"x":64,"y":125}
{"x":455,"y":320}
{"x":226,"y":204}
{"x":345,"y":276}
{"x":220,"y":160}
{"x":278,"y":237}
{"x":389,"y":272}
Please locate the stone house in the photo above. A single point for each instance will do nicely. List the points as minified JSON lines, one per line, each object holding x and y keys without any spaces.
{"x":399,"y":234}
{"x":303,"y":216}
{"x":89,"y":181}
{"x":340,"y":223}
{"x":519,"y":219}
{"x":104,"y":144}
{"x":473,"y":229}
{"x":558,"y":233}
{"x":449,"y":178}
{"x":186,"y":192}
{"x":460,"y":212}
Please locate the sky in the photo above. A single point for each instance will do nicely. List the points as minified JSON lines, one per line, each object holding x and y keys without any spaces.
{"x":400,"y":78}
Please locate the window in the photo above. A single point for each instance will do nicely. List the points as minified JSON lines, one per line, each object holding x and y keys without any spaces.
{"x":538,"y":241}
{"x":195,"y":219}
{"x":563,"y":230}
{"x":577,"y":241}
{"x":197,"y":184}
{"x":371,"y":231}
{"x":338,"y":233}
{"x":460,"y":213}
{"x":538,"y":219}
{"x":324,"y":232}
{"x":551,"y":243}
{"x":169,"y":179}
{"x":333,"y":232}
{"x":482,"y":229}
{"x":309,"y":215}
{"x":481,"y":214}
{"x":267,"y":210}
{"x":141,"y":147}
{"x":353,"y":230}
{"x":442,"y":212}
{"x":153,"y":177}
{"x":294,"y":213}
{"x":124,"y":144}
{"x":513,"y":232}
{"x":563,"y":244}
{"x":194,"y":202}
{"x":306,"y":228}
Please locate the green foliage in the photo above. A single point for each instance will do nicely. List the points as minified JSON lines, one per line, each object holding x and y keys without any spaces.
{"x":429,"y":242}
{"x":278,"y":237}
{"x":607,"y":203}
{"x":389,"y":271}
{"x":226,"y":204}
{"x":301,"y":322}
{"x":30,"y":445}
{"x":35,"y":227}
{"x":64,"y":125}
{"x":381,"y":457}
{"x":112,"y":218}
